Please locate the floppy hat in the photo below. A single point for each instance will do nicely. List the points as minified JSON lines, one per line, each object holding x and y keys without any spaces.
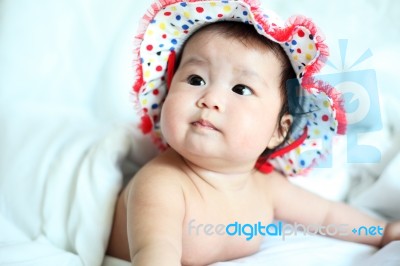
{"x":167,"y":25}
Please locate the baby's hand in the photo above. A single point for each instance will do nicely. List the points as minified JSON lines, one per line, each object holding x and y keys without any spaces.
{"x":391,"y":233}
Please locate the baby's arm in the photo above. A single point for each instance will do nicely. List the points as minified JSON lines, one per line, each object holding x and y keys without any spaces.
{"x":296,"y":205}
{"x":155,"y":212}
{"x":392,"y":232}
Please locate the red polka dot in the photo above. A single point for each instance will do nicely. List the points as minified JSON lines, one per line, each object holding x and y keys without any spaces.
{"x":156,"y":92}
{"x":164,"y":36}
{"x":299,"y":50}
{"x":199,"y":9}
{"x":220,"y":15}
{"x":186,"y":31}
{"x":167,"y":14}
{"x":300,"y":33}
{"x":159,"y":68}
{"x":325,"y":118}
{"x":290,"y":161}
{"x":145,"y":110}
{"x":149,"y":47}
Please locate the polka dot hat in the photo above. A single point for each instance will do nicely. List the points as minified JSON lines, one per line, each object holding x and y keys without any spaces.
{"x":166,"y":26}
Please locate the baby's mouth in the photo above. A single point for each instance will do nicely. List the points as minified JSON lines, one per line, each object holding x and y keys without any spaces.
{"x":204,"y":124}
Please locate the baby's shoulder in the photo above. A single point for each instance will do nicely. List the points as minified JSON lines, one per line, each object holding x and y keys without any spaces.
{"x":160,"y":176}
{"x":166,"y":167}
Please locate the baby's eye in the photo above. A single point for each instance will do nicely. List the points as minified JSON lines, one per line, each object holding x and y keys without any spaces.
{"x":195,"y":80}
{"x":242,"y":90}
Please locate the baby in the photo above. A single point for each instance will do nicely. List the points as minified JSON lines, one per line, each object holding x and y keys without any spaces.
{"x":230,"y":124}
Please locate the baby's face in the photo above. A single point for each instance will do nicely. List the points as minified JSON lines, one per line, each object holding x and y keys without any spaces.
{"x":224,"y":100}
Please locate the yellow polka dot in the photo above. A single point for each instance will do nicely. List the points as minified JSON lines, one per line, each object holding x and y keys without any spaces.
{"x":147,"y":74}
{"x":186,"y":14}
{"x":151,"y":85}
{"x":227,"y":8}
{"x":317,"y":132}
{"x":162,"y":26}
{"x":308,"y":57}
{"x":311,"y":46}
{"x":176,"y":33}
{"x":287,"y":167}
{"x":297,"y":151}
{"x":144,"y":101}
{"x":173,"y":8}
{"x":213,"y":4}
{"x":150,"y":32}
{"x":326,"y":103}
{"x":295,"y":58}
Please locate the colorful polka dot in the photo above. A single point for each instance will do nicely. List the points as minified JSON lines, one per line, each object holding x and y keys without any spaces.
{"x":227,"y":8}
{"x":199,"y":9}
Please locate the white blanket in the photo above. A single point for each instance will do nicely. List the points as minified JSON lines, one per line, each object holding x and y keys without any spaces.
{"x":67,"y":142}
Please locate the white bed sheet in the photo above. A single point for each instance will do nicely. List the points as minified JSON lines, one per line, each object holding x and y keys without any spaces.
{"x":66,"y":140}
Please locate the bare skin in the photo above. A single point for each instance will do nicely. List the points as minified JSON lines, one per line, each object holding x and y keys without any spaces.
{"x":161,"y":200}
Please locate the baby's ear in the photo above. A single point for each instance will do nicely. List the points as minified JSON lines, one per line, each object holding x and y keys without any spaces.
{"x":280,"y":131}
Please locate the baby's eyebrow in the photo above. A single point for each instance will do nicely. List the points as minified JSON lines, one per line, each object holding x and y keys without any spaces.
{"x":250,"y":74}
{"x":193,"y":60}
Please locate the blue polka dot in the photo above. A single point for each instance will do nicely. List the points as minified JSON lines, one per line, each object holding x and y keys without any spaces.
{"x":190,"y":21}
{"x":183,"y":4}
{"x":286,"y":43}
{"x":245,"y":13}
{"x":294,"y":42}
{"x":185,"y":27}
{"x":161,"y":45}
{"x":153,"y":21}
{"x":302,"y":163}
{"x":154,"y":106}
{"x":178,"y":17}
{"x":259,"y":27}
{"x":174,"y":41}
{"x":326,"y":137}
{"x":208,"y":17}
{"x":172,"y":49}
{"x":141,"y":60}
